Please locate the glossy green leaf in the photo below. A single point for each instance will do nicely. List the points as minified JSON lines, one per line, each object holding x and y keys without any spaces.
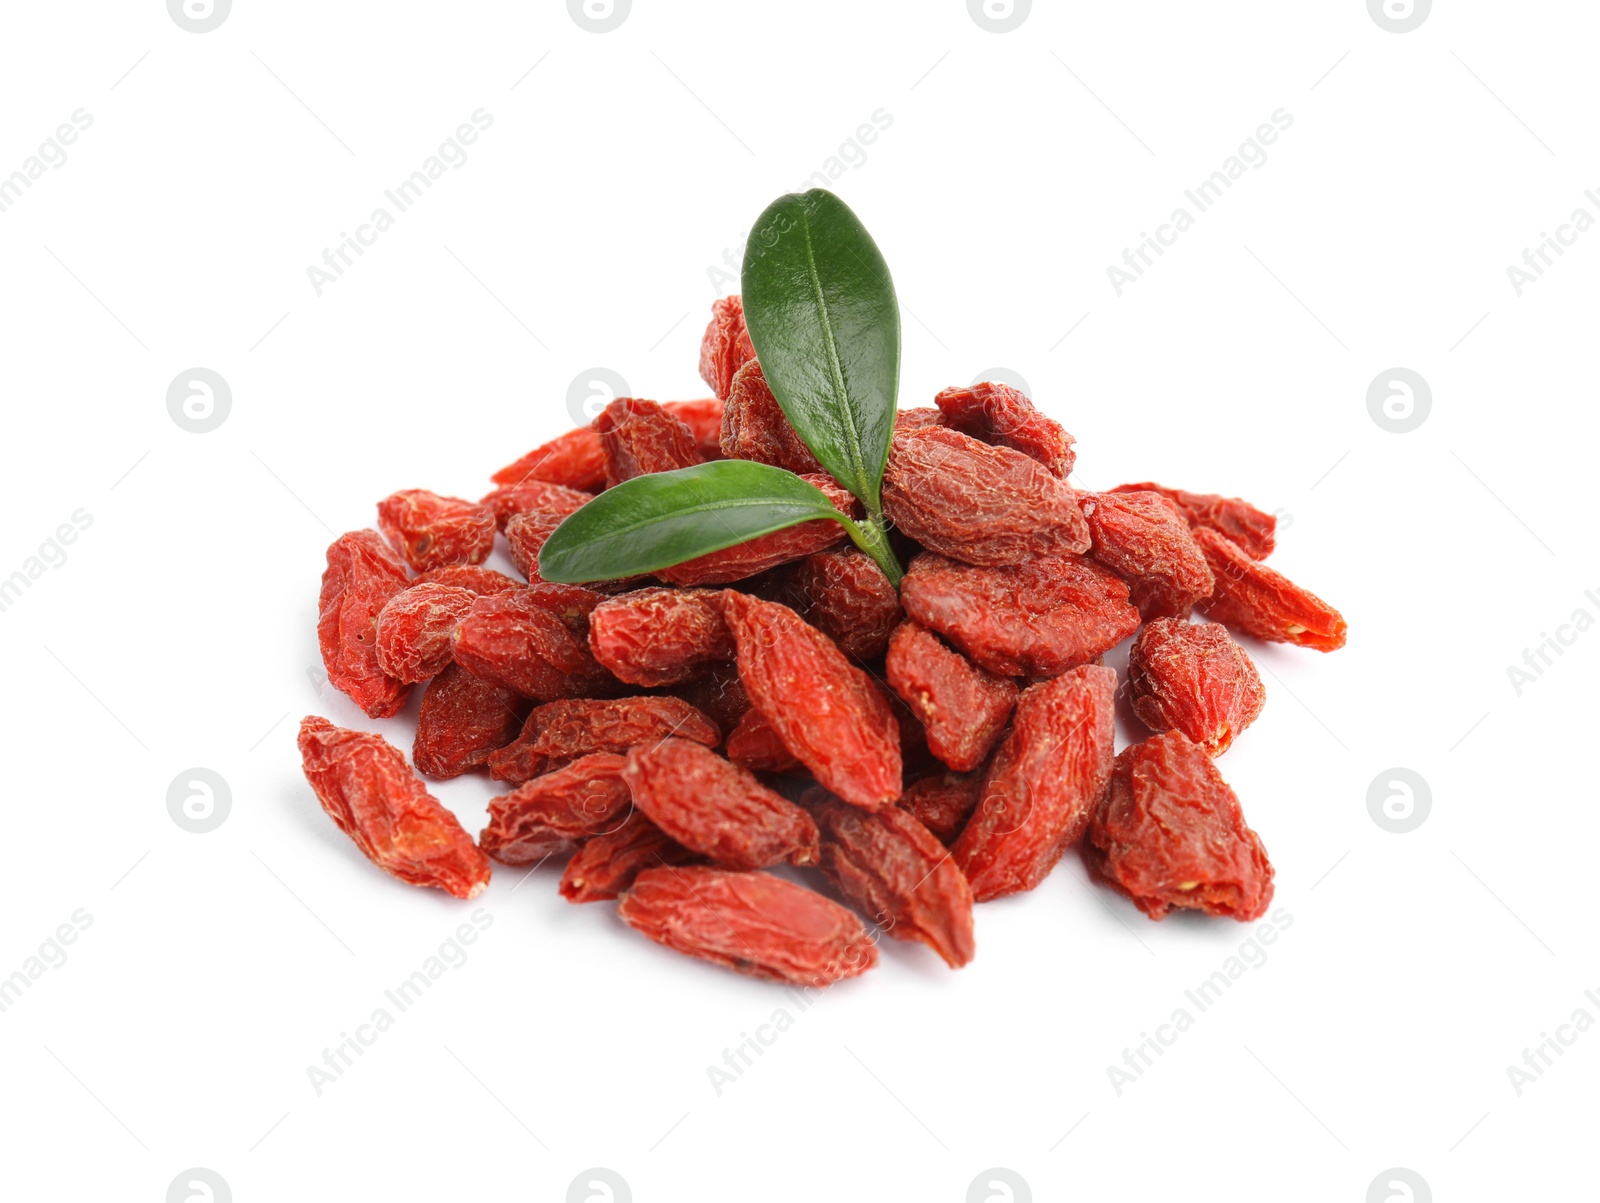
{"x":656,"y":521}
{"x":821,"y":311}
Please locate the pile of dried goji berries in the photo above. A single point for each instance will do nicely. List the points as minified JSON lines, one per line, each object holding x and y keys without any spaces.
{"x":780,"y":701}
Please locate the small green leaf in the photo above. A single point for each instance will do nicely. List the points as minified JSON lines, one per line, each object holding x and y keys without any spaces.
{"x":656,"y":521}
{"x":821,"y":311}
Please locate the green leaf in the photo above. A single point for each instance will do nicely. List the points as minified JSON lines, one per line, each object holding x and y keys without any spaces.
{"x":656,"y":521}
{"x":821,"y":311}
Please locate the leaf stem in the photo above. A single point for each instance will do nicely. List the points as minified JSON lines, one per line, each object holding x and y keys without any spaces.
{"x":872,"y":537}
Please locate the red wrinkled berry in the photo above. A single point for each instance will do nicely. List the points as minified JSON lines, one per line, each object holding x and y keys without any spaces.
{"x":575,"y":460}
{"x":1144,"y":539}
{"x":845,"y":595}
{"x":977,"y":503}
{"x":1042,"y":783}
{"x":1252,"y":598}
{"x":534,"y":497}
{"x":752,"y":923}
{"x":719,"y":693}
{"x":745,"y":560}
{"x":917,"y":418}
{"x":414,"y":629}
{"x":754,"y":426}
{"x":1006,"y":417}
{"x":754,"y":745}
{"x":550,"y":814}
{"x":1253,"y":530}
{"x":478,"y":579}
{"x":944,"y":802}
{"x":462,"y":722}
{"x":575,"y":727}
{"x":827,"y":712}
{"x":606,"y":865}
{"x":640,"y":437}
{"x":1035,"y":619}
{"x":716,"y":808}
{"x":518,"y":641}
{"x":365,"y":785}
{"x":655,"y":637}
{"x":726,"y":346}
{"x":1169,"y":833}
{"x":431,"y":531}
{"x":963,"y":709}
{"x":704,"y":420}
{"x":1194,"y":678}
{"x":362,"y":575}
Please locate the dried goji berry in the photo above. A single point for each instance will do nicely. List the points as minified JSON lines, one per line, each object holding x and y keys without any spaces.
{"x":1006,"y":417}
{"x":892,"y":870}
{"x":655,"y":637}
{"x":462,"y":721}
{"x":977,"y":503}
{"x":475,"y":577}
{"x":362,"y":575}
{"x":640,"y":437}
{"x":575,"y":460}
{"x":745,"y":560}
{"x":719,"y":694}
{"x":1194,"y":678}
{"x":1170,"y":833}
{"x":1144,"y":539}
{"x":963,"y":708}
{"x":726,"y":346}
{"x":1252,"y":598}
{"x":606,"y":865}
{"x":516,"y":763}
{"x":943,"y":802}
{"x":1252,"y":529}
{"x":753,"y":923}
{"x":534,"y":497}
{"x":917,"y":418}
{"x":717,"y":808}
{"x":704,"y":420}
{"x":414,"y":629}
{"x":753,"y":744}
{"x":516,"y":640}
{"x":826,"y":710}
{"x":431,"y":531}
{"x":365,"y":785}
{"x":845,"y":595}
{"x":525,"y":535}
{"x":1042,"y":784}
{"x":1034,"y":619}
{"x":548,"y":815}
{"x":754,"y":426}
{"x":577,"y":726}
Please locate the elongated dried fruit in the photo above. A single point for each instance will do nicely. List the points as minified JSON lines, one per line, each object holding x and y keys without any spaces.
{"x":606,"y":865}
{"x":1035,"y":619}
{"x":362,"y":575}
{"x":1170,"y":833}
{"x":1252,"y":598}
{"x":745,"y":560}
{"x":640,"y":437}
{"x":889,"y":867}
{"x":655,"y":637}
{"x":943,"y":802}
{"x":703,"y":417}
{"x":1144,"y":539}
{"x":525,"y":535}
{"x":431,"y":531}
{"x":845,"y":595}
{"x":534,"y":496}
{"x":365,"y":785}
{"x":574,"y":460}
{"x":1255,"y":531}
{"x":917,"y":418}
{"x":963,"y":708}
{"x":726,"y":346}
{"x":473,"y":577}
{"x":520,"y":641}
{"x":825,"y":709}
{"x":717,"y":808}
{"x":462,"y":722}
{"x":577,"y":726}
{"x":414,"y":629}
{"x":754,"y":427}
{"x":1006,"y":417}
{"x":1042,"y":785}
{"x":1194,"y":678}
{"x":719,"y":694}
{"x":550,"y":814}
{"x":752,"y":923}
{"x":977,"y":503}
{"x":754,"y":744}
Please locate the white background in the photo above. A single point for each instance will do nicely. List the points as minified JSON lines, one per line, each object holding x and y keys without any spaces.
{"x":179,"y":631}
